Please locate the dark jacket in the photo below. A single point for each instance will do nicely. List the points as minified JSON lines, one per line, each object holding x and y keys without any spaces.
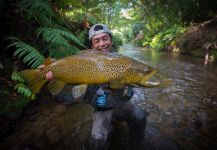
{"x":114,"y":96}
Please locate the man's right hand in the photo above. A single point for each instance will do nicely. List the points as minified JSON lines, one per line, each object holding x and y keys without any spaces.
{"x":49,"y":75}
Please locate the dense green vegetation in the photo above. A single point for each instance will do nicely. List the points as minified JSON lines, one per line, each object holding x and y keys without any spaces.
{"x":59,"y":28}
{"x":36,"y":29}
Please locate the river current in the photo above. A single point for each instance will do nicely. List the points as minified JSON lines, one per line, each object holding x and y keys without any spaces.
{"x":185,"y":111}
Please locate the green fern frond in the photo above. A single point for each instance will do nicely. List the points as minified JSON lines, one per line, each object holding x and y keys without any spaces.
{"x":20,"y":87}
{"x":29,"y":54}
{"x":16,"y":77}
{"x":23,"y":90}
{"x":59,"y":42}
{"x":58,"y":36}
{"x":70,"y":36}
{"x":51,"y":35}
{"x":57,"y":54}
{"x":40,"y":10}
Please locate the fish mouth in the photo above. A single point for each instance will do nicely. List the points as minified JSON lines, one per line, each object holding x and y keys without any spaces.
{"x":146,"y":82}
{"x":152,"y":84}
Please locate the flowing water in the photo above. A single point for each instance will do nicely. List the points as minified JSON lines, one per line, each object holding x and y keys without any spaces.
{"x":185,"y":111}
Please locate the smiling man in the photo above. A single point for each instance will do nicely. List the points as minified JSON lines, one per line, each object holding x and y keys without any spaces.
{"x":110,"y":105}
{"x":100,"y":37}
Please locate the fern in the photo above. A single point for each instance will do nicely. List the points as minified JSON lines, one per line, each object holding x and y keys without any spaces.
{"x":39,"y":10}
{"x":58,"y":36}
{"x":59,"y":41}
{"x":20,"y":87}
{"x":23,"y":90}
{"x":16,"y":77}
{"x":52,"y":36}
{"x":30,"y":55}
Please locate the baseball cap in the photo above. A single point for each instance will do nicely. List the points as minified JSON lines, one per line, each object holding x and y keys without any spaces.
{"x":97,"y":29}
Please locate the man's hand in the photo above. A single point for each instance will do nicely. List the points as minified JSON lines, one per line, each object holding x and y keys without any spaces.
{"x":49,"y":75}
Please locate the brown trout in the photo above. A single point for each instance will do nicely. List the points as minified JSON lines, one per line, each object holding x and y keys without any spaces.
{"x":92,"y":67}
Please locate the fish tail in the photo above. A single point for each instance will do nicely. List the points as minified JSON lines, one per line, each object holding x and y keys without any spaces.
{"x":34,"y":79}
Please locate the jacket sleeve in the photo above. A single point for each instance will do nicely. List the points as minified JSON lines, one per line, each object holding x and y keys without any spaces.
{"x":124,"y":94}
{"x":90,"y":95}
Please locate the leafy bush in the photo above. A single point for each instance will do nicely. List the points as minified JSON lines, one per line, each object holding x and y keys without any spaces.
{"x":165,"y":37}
{"x":116,"y":41}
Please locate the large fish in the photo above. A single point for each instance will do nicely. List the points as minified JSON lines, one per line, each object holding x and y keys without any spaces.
{"x":92,"y":67}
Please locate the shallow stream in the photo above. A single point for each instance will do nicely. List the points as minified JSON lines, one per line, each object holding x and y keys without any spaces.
{"x":185,"y":111}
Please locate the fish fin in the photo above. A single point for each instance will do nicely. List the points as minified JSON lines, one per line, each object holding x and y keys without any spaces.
{"x":33,"y":79}
{"x":116,"y":84}
{"x":55,"y":86}
{"x":49,"y":61}
{"x":78,"y":90}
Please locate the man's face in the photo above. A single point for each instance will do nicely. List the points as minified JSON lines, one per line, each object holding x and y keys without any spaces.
{"x":102,"y":42}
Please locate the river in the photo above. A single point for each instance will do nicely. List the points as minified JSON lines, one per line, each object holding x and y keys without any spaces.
{"x":186,"y":111}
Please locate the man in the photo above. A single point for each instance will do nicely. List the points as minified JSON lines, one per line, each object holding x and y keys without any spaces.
{"x":110,"y":104}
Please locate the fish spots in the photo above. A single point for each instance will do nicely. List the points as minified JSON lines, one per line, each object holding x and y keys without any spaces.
{"x":100,"y":66}
{"x":97,"y":68}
